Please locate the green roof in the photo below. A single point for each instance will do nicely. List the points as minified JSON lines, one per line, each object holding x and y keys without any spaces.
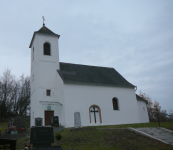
{"x":93,"y":75}
{"x":141,"y":99}
{"x":43,"y":30}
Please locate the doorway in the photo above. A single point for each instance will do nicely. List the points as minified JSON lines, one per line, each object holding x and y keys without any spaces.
{"x":48,"y":115}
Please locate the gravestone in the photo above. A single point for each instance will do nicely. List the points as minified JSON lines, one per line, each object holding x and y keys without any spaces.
{"x":55,"y":121}
{"x":38,"y":121}
{"x":77,"y":120}
{"x":41,"y":136}
{"x":7,"y":144}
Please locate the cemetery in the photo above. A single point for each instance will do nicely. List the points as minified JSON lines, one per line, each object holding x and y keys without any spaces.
{"x":38,"y":137}
{"x":98,"y":137}
{"x":16,"y":129}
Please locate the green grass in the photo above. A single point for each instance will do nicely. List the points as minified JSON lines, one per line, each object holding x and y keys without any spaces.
{"x":108,"y":139}
{"x":3,"y":126}
{"x":167,"y":125}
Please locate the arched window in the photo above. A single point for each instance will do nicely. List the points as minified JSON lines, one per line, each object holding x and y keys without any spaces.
{"x":95,"y":114}
{"x":46,"y":49}
{"x":115,"y":103}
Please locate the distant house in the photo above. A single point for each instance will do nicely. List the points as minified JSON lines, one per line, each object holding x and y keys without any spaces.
{"x":100,"y":94}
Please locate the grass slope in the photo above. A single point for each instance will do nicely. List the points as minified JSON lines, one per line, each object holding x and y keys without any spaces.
{"x":167,"y":125}
{"x":108,"y":139}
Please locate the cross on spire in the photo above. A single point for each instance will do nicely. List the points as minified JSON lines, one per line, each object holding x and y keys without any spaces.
{"x":43,"y":20}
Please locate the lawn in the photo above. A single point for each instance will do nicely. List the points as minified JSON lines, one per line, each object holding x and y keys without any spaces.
{"x":90,"y":138}
{"x":167,"y":125}
{"x":108,"y":139}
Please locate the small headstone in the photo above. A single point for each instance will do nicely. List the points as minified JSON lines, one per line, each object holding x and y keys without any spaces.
{"x":77,"y":120}
{"x":55,"y":121}
{"x":6,"y":144}
{"x":38,"y":121}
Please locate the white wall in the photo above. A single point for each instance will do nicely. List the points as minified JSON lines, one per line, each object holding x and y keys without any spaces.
{"x":81,"y":97}
{"x":143,"y":113}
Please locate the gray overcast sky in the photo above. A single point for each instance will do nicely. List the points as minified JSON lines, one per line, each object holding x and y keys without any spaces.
{"x":133,"y":36}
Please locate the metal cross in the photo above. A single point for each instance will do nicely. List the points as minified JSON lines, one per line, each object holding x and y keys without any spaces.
{"x":43,"y":20}
{"x":94,"y":111}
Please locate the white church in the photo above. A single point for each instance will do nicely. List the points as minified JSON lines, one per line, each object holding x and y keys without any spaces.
{"x":100,"y":94}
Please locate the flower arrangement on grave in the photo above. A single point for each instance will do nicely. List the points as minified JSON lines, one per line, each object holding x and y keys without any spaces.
{"x":11,"y":129}
{"x":20,"y":130}
{"x":0,"y":131}
{"x":58,"y":137}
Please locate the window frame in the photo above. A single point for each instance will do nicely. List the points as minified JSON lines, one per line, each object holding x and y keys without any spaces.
{"x":117,"y":102}
{"x":49,"y":49}
{"x":48,"y":90}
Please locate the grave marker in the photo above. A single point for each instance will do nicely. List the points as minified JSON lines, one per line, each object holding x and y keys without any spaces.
{"x":55,"y":121}
{"x":41,"y":136}
{"x":77,"y":120}
{"x":38,"y":121}
{"x":7,"y":144}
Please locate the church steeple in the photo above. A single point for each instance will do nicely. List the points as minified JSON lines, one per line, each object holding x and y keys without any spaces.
{"x":43,"y":30}
{"x":44,"y":66}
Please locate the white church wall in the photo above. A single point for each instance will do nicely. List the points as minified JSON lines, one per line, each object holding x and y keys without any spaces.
{"x":143,"y":113}
{"x":40,"y":39}
{"x":32,"y":111}
{"x":60,"y":97}
{"x":81,"y":97}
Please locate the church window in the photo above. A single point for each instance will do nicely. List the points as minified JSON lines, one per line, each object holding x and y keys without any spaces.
{"x":48,"y":92}
{"x":95,"y":114}
{"x":46,"y":49}
{"x":115,"y":104}
{"x":144,"y":109}
{"x":32,"y":77}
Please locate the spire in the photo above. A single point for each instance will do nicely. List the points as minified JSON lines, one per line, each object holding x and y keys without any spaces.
{"x":43,"y":20}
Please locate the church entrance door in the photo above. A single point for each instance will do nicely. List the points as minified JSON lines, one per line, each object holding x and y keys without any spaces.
{"x":48,"y":115}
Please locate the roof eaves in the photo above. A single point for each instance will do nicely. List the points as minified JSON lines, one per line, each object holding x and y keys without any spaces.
{"x":32,"y":39}
{"x":124,"y":78}
{"x":141,"y":99}
{"x":98,"y":84}
{"x":59,"y":72}
{"x":41,"y":33}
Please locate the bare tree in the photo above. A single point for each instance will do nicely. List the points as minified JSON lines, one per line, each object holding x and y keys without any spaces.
{"x":149,"y":105}
{"x":14,"y":95}
{"x":6,"y":92}
{"x":155,"y":112}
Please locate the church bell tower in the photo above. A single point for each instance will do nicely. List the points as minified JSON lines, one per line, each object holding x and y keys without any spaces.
{"x":44,"y":66}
